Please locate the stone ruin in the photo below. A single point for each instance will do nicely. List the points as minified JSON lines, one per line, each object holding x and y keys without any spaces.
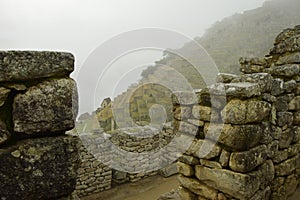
{"x":38,"y":104}
{"x":257,"y":114}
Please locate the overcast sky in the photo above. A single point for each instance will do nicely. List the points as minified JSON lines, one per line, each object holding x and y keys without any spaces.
{"x":80,"y":26}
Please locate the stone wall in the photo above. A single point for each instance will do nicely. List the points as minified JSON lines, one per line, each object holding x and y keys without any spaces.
{"x":99,"y":149}
{"x":38,"y":104}
{"x":251,"y":122}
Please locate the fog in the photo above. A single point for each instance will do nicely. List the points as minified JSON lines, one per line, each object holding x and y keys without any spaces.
{"x":80,"y":27}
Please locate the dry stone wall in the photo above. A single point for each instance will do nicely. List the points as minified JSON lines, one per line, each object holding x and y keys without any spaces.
{"x":99,"y":149}
{"x":252,"y":124}
{"x":38,"y":104}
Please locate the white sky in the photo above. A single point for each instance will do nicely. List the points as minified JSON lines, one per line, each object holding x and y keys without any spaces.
{"x":80,"y":26}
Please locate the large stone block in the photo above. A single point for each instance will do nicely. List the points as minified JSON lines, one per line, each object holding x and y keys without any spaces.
{"x":49,"y":107}
{"x":288,"y":70}
{"x":264,"y":80}
{"x":292,"y":58}
{"x":244,"y":89}
{"x":240,"y":186}
{"x":243,"y":112}
{"x":248,"y":160}
{"x":197,"y":187}
{"x":236,"y":137}
{"x":28,"y":65}
{"x":43,"y":168}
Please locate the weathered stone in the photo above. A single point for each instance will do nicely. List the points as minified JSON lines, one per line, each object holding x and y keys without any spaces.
{"x":3,"y":95}
{"x":185,"y":169}
{"x":4,"y":133}
{"x":273,"y":148}
{"x":184,"y":98}
{"x":296,"y":130}
{"x":244,"y":89}
{"x":281,"y":104}
{"x":197,"y":187}
{"x":277,"y":183}
{"x":243,"y":112}
{"x":210,"y":164}
{"x":290,"y":86}
{"x":288,"y":70}
{"x":43,"y":168}
{"x":224,"y":158}
{"x":48,"y":107}
{"x":295,"y":103}
{"x":225,"y":78}
{"x":182,"y":112}
{"x":186,"y":194}
{"x":29,"y":65}
{"x":262,"y":194}
{"x":196,"y":122}
{"x":185,"y":127}
{"x":172,"y":195}
{"x":236,"y":137}
{"x":284,"y":119}
{"x":268,"y":97}
{"x":211,"y":100}
{"x":206,"y":149}
{"x":292,"y":58}
{"x":286,"y":138}
{"x":190,"y":160}
{"x":248,"y":160}
{"x":291,"y":184}
{"x":277,"y":87}
{"x":241,"y":186}
{"x":169,"y":170}
{"x":288,"y":166}
{"x":263,"y":79}
{"x":205,"y":113}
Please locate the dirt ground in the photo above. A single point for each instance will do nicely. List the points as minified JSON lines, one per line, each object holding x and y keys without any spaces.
{"x":147,"y":189}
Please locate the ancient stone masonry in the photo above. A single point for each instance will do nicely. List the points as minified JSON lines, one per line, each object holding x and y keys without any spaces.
{"x":38,"y":104}
{"x":252,"y":124}
{"x":99,"y":150}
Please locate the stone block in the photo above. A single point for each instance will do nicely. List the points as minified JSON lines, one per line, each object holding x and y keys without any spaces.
{"x":288,"y":70}
{"x":169,"y":170}
{"x":225,"y":77}
{"x":190,"y":160}
{"x":184,"y":98}
{"x":197,"y":187}
{"x":243,"y":90}
{"x":292,"y":58}
{"x":49,"y":107}
{"x":246,"y":161}
{"x":295,"y":103}
{"x":241,"y":186}
{"x":243,"y":112}
{"x":236,"y":137}
{"x":206,"y":149}
{"x":29,"y":65}
{"x":288,"y":166}
{"x":284,"y":119}
{"x":182,"y":113}
{"x":42,"y":168}
{"x":185,"y":169}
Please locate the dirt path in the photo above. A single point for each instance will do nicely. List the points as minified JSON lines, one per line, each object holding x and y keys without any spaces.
{"x":147,"y":189}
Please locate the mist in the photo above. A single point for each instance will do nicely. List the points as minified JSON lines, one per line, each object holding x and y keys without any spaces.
{"x":80,"y":27}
